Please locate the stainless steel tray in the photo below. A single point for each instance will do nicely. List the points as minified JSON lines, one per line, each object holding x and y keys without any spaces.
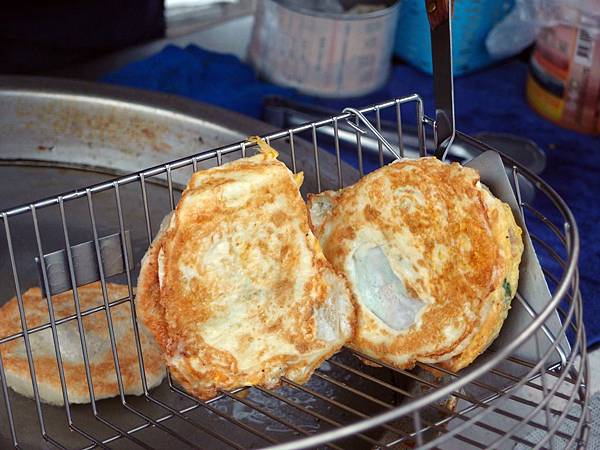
{"x":497,"y":402}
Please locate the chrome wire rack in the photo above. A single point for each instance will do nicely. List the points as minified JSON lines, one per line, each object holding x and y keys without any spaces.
{"x":504,"y":400}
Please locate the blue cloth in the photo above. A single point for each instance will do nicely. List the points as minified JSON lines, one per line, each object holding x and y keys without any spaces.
{"x":201,"y":75}
{"x":492,"y":100}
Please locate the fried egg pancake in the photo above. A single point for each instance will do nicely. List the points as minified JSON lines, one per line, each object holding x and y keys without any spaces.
{"x":98,"y":347}
{"x":432,"y":258}
{"x":235,"y":287}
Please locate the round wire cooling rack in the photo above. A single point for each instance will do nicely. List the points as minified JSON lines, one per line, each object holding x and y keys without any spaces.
{"x":527,"y":391}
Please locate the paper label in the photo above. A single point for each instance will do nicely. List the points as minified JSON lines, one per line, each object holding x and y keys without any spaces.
{"x":564,"y":77}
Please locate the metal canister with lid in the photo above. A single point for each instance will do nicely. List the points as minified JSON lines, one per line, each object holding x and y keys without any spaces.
{"x":326,"y":48}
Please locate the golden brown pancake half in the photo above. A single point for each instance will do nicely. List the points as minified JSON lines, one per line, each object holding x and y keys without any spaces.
{"x":235,"y":287}
{"x":432,"y":258}
{"x":99,"y":349}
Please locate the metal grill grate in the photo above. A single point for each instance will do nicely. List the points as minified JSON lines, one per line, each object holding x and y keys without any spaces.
{"x":347,"y":403}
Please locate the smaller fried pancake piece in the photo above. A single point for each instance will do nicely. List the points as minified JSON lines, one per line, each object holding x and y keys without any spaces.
{"x":432,"y":258}
{"x":235,"y":287}
{"x":99,"y":350}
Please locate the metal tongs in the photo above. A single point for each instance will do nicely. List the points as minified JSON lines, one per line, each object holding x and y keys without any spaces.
{"x":440,"y":20}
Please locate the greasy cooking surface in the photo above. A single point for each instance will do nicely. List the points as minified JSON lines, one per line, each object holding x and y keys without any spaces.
{"x":431,"y":256}
{"x":236,"y":289}
{"x":98,"y":347}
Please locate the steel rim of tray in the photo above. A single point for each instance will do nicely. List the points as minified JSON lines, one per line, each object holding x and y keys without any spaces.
{"x":568,"y":281}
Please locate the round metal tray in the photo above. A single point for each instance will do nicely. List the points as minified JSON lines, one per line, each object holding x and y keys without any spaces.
{"x":528,"y":390}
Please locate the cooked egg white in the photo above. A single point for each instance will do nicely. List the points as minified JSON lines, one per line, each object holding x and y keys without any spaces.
{"x":236,"y":288}
{"x":427,"y":251}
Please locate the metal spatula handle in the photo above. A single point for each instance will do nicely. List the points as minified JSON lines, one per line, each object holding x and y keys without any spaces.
{"x":439,"y":14}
